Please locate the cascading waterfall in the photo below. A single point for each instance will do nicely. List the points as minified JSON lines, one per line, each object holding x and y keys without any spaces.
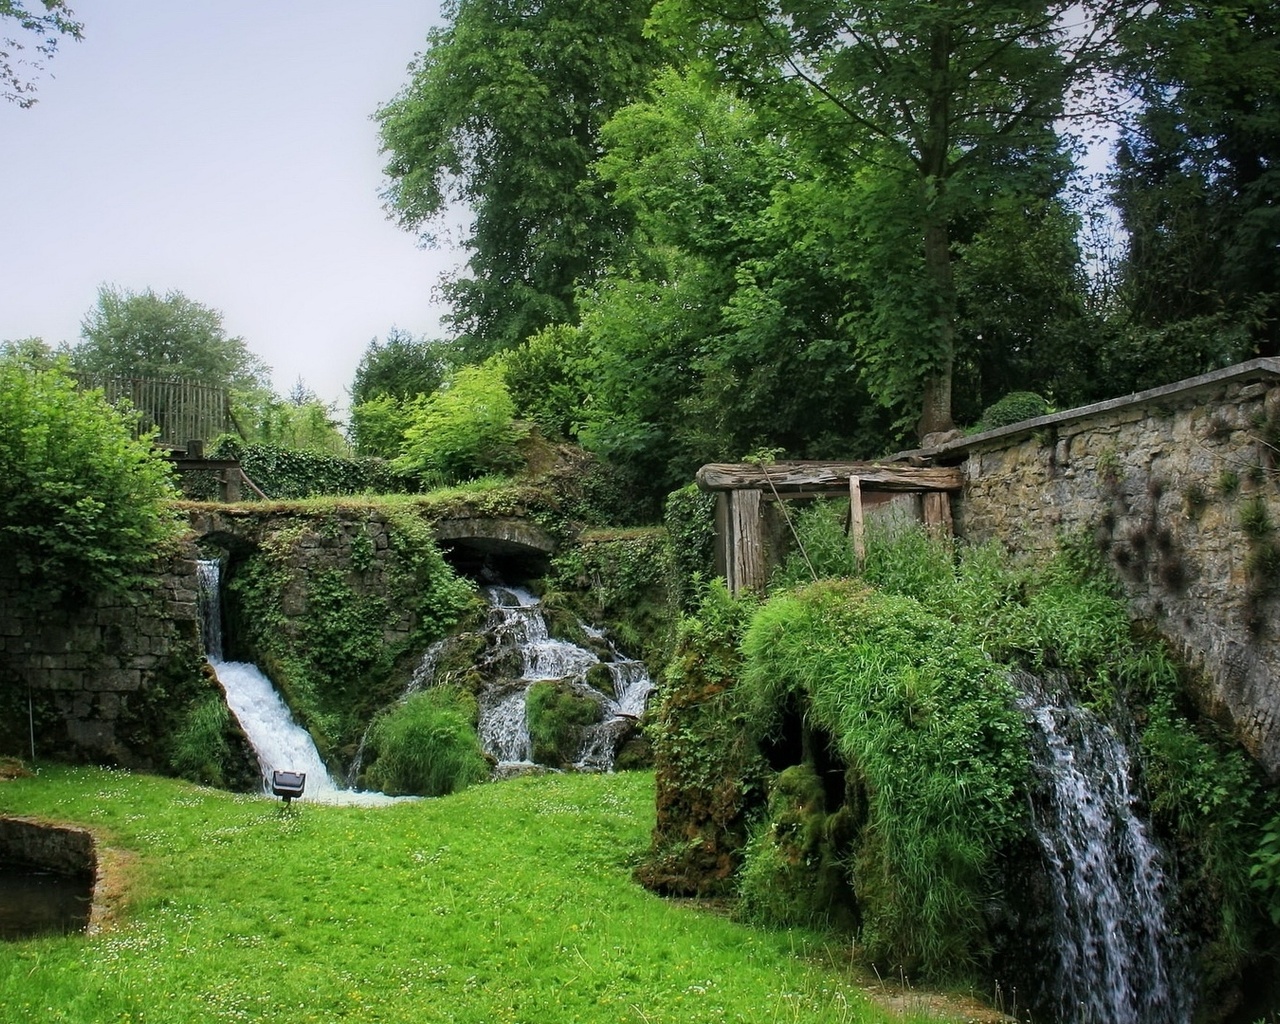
{"x":279,"y":742}
{"x":516,"y":624}
{"x":1116,"y":956}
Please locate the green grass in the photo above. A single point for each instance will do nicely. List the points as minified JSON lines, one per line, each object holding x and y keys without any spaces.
{"x":509,"y":902}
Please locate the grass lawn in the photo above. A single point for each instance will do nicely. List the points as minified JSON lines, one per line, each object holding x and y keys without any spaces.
{"x":509,"y":902}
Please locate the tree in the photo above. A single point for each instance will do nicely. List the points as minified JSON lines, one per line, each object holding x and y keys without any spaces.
{"x":951,"y":101}
{"x":57,"y":20}
{"x":1197,"y":184}
{"x":402,"y":366}
{"x":140,"y":334}
{"x":83,"y":503}
{"x":502,"y":115}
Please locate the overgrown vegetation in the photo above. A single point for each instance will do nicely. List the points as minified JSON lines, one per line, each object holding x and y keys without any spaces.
{"x":334,"y":662}
{"x":84,"y":505}
{"x":897,"y":783}
{"x":287,"y":473}
{"x":426,"y":745}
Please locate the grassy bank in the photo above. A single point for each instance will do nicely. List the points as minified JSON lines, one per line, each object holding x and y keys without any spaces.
{"x":508,"y":902}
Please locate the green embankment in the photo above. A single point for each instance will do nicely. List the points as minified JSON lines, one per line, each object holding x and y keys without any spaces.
{"x":509,"y":902}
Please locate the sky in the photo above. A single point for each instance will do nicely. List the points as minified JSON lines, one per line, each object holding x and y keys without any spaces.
{"x":223,"y":149}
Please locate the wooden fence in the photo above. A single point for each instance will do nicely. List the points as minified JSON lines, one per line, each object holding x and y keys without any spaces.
{"x":182,"y":410}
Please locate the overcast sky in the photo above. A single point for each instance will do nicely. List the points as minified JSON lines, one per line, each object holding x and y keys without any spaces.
{"x":223,"y":149}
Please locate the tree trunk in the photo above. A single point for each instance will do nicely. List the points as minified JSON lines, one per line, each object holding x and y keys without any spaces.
{"x":936,"y":412}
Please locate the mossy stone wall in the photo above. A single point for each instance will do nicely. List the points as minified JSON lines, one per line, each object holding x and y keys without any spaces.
{"x":1180,"y":492}
{"x":105,"y":681}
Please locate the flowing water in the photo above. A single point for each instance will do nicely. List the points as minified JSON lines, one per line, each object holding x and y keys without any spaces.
{"x":1116,"y":960}
{"x":280,"y":742}
{"x":516,"y":627}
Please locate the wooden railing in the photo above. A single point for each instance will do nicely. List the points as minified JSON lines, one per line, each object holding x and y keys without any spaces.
{"x":182,"y":410}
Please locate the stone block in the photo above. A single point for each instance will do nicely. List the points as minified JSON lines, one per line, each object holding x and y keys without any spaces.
{"x":118,"y":680}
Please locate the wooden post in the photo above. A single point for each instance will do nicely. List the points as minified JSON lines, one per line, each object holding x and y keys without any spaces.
{"x":857,"y":529}
{"x":937,"y":513}
{"x":747,"y":544}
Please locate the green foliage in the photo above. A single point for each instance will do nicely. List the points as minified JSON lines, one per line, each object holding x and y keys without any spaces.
{"x":303,"y":423}
{"x":794,"y":869}
{"x":557,"y":717}
{"x":284,"y":473}
{"x":199,"y":749}
{"x":463,"y":431}
{"x":402,"y":367}
{"x":624,"y":577}
{"x":689,"y":516}
{"x":502,"y":113}
{"x":334,"y":662}
{"x":426,"y":745}
{"x":926,"y":723}
{"x":1264,"y":872}
{"x":141,"y":334}
{"x":1014,"y":408}
{"x":55,"y":19}
{"x":83,"y":503}
{"x":546,"y":376}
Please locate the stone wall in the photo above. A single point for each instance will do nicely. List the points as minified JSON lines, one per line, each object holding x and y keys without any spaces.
{"x":1179,"y":488}
{"x":104,"y":681}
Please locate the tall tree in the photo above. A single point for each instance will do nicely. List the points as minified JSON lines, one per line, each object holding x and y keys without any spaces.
{"x":952,"y":101}
{"x":501,"y":116}
{"x":402,"y":366}
{"x":1197,"y":184}
{"x":56,"y":20}
{"x":141,"y":334}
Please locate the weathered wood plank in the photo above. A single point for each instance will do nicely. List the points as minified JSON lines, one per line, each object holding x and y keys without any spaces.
{"x":937,"y":513}
{"x":793,"y":475}
{"x":857,"y":529}
{"x":748,"y":542}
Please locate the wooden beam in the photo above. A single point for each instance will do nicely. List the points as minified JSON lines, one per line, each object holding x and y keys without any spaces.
{"x":831,"y":476}
{"x":937,"y":513}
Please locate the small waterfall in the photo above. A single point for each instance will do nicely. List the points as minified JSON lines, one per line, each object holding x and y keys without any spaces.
{"x":516,"y":620}
{"x":1116,"y":959}
{"x":280,"y":743}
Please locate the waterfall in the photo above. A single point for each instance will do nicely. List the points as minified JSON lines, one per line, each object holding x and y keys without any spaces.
{"x":279,"y":742}
{"x":1115,"y":957}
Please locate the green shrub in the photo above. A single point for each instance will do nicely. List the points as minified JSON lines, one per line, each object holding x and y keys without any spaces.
{"x":463,"y":431}
{"x":286,"y":473}
{"x":557,"y":717}
{"x":1014,"y":408}
{"x":426,"y":745}
{"x":199,"y":750}
{"x":378,"y":425}
{"x":83,"y":503}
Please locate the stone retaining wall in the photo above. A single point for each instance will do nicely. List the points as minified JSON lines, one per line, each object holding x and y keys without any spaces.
{"x":102,"y":682}
{"x":1179,"y":488}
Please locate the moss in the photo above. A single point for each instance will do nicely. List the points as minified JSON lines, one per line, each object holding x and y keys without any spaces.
{"x":557,"y":716}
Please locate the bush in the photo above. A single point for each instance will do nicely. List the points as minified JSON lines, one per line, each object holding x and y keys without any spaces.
{"x":427,"y":745}
{"x":286,"y":473}
{"x":464,"y":431}
{"x":83,"y":502}
{"x":690,"y":518}
{"x":199,"y":750}
{"x":1014,"y":408}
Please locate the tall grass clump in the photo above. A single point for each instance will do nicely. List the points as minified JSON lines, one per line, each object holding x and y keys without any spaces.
{"x":936,"y":753}
{"x":426,"y":745}
{"x":199,"y":749}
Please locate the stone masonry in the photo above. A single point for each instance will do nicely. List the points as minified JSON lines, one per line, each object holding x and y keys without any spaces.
{"x":100,"y":682}
{"x":1179,"y":488}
